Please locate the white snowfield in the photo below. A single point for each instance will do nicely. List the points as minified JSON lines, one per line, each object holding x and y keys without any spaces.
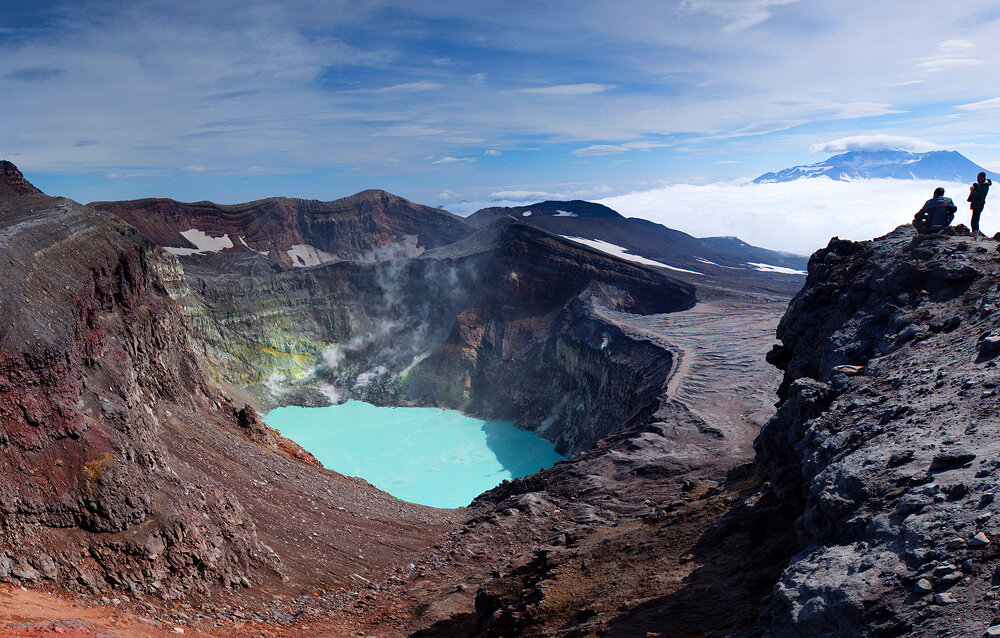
{"x":526,"y":213}
{"x":623,"y":253}
{"x":778,"y":269}
{"x":565,"y":213}
{"x":204,"y":243}
{"x":304,"y":255}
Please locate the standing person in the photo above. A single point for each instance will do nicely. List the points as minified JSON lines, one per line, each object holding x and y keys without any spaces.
{"x":936,"y":213}
{"x":977,"y":199}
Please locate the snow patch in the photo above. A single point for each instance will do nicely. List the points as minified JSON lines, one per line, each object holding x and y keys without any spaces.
{"x":712,"y":263}
{"x":777,"y":269}
{"x":565,"y":213}
{"x":204,"y":243}
{"x":622,"y":253}
{"x":526,"y":213}
{"x":304,"y":255}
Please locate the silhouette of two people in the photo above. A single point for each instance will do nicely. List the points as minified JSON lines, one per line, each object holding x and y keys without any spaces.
{"x":936,"y":214}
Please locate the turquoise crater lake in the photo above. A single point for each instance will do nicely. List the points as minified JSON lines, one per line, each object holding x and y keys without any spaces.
{"x":429,"y":456}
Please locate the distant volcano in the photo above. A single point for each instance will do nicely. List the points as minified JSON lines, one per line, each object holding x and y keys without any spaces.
{"x":945,"y":166}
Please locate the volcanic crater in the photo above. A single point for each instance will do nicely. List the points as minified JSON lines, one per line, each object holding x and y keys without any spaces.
{"x":137,"y":357}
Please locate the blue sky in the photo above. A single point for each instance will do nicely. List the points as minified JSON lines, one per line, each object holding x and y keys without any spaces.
{"x":445,"y":102}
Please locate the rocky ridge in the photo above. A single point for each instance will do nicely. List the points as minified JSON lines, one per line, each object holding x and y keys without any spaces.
{"x":716,"y":265}
{"x":292,"y":232}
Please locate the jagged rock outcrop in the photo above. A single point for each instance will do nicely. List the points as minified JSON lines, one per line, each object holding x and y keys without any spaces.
{"x":886,"y":439}
{"x":13,"y":183}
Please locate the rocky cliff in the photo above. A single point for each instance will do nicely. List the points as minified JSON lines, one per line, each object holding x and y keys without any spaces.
{"x":885,"y":442}
{"x":869,"y":509}
{"x":504,"y":324}
{"x":123,"y":468}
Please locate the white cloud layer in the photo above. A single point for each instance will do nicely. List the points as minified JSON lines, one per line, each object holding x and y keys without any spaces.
{"x":873,"y":143}
{"x":799,"y":216}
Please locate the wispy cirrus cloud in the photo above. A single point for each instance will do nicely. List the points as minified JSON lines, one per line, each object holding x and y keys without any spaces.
{"x":405,"y":87}
{"x":452,"y":160}
{"x":615,"y":149}
{"x":950,"y":54}
{"x":993,"y":103}
{"x":739,"y":14}
{"x":568,"y":90}
{"x":536,"y":94}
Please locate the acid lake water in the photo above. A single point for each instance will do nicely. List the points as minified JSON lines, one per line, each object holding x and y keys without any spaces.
{"x":429,"y":456}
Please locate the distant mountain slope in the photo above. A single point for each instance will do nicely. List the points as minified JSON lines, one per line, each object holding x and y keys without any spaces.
{"x":720,"y":261}
{"x":947,"y":166}
{"x":573,"y":208}
{"x":292,"y":232}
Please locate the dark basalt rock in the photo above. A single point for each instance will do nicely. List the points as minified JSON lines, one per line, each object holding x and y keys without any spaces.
{"x":887,"y":471}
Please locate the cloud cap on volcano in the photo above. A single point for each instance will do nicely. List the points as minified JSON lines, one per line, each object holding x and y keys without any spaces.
{"x":874,"y":143}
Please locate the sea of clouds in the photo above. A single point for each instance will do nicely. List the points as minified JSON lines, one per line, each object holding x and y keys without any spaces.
{"x":799,"y":216}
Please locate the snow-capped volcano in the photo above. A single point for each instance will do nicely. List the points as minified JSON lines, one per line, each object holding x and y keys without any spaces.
{"x":946,"y":166}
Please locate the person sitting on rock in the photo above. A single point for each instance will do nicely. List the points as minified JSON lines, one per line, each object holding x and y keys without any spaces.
{"x":937,"y":213}
{"x":977,"y":199}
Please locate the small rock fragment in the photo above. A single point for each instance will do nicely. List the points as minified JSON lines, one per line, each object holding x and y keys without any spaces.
{"x":979,"y":541}
{"x":993,"y":631}
{"x":848,"y":370}
{"x":923,"y":586}
{"x":944,"y":599}
{"x":990,"y":346}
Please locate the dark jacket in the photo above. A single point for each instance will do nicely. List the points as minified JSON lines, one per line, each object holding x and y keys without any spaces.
{"x":977,"y":194}
{"x":937,"y":213}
